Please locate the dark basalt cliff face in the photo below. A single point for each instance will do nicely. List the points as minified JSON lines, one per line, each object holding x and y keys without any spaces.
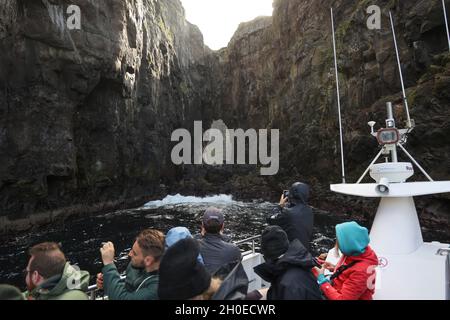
{"x":278,"y":72}
{"x":86,"y":115}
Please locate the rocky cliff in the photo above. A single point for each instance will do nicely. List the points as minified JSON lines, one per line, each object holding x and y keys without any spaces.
{"x":281,"y":75}
{"x":86,"y":116}
{"x":278,"y":72}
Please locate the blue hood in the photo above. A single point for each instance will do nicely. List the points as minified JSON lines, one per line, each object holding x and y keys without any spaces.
{"x":352,"y":238}
{"x":176,"y":234}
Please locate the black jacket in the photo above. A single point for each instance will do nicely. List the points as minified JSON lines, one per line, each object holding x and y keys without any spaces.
{"x":297,"y":218}
{"x":219,"y":256}
{"x":234,"y":286}
{"x":290,"y":276}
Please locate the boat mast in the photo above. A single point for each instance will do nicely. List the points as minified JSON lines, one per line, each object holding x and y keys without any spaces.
{"x":338,"y":98}
{"x":446,"y":24}
{"x":405,"y":100}
{"x":390,"y":123}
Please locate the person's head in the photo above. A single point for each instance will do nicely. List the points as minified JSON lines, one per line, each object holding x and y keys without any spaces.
{"x":213,"y":221}
{"x":46,"y":260}
{"x":176,"y":234}
{"x":299,"y":193}
{"x":352,"y":239}
{"x":181,"y":275}
{"x":147,"y":250}
{"x":274,"y":243}
{"x":8,"y":292}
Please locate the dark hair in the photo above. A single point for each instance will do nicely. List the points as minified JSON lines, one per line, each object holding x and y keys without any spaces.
{"x":213,"y":226}
{"x":48,"y":259}
{"x":151,"y":243}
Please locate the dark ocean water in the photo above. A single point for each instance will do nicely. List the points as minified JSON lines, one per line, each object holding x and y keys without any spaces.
{"x":82,"y":237}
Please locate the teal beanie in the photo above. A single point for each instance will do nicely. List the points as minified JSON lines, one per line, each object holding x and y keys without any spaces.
{"x":352,"y":238}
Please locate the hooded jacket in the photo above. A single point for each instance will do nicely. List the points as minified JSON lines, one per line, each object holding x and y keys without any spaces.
{"x":290,"y":276}
{"x":356,"y":282}
{"x":57,"y":287}
{"x":138,"y":284}
{"x":296,"y":219}
{"x":234,"y":286}
{"x":176,"y":234}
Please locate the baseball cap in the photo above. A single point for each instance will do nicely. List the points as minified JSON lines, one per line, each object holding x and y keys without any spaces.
{"x":212,"y":214}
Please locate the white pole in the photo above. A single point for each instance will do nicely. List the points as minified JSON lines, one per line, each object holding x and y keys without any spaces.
{"x":446,"y":24}
{"x":416,"y":163}
{"x":390,"y":116}
{"x":338,"y":98}
{"x":400,"y":71}
{"x":370,"y":165}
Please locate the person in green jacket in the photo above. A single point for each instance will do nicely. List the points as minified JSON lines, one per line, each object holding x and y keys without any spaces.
{"x":141,"y":282}
{"x":8,"y":292}
{"x":50,"y":277}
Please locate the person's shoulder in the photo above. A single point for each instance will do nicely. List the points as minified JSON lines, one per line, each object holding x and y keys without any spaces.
{"x":152,"y":280}
{"x":359,"y":270}
{"x":295,"y":271}
{"x":228,"y":243}
{"x":362,"y":266}
{"x":149,"y":288}
{"x":231,"y":248}
{"x":150,"y":284}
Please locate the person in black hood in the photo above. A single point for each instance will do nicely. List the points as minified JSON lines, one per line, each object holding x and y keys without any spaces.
{"x":294,"y":215}
{"x":287,"y":267}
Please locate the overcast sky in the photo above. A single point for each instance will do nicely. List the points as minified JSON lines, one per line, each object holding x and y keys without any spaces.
{"x":219,"y":19}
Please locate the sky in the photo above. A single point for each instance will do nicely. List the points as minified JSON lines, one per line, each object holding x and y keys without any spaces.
{"x":219,"y":19}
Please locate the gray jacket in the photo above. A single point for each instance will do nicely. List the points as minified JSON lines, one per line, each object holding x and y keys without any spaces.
{"x":219,"y":256}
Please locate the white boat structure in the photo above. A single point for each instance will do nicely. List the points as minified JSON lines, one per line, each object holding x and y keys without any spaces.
{"x":408,"y":267}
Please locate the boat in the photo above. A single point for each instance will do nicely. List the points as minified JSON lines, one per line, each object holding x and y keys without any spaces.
{"x":408,"y":268}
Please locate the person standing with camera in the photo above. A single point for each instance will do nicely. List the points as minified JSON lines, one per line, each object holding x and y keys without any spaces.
{"x":294,"y":215}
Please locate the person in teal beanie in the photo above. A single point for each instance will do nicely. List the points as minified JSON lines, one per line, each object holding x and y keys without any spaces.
{"x":353,"y":277}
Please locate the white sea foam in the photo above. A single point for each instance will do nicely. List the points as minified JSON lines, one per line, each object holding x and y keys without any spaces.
{"x":179,"y":199}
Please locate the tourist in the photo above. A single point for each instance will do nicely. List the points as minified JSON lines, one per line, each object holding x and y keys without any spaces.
{"x":141,"y":281}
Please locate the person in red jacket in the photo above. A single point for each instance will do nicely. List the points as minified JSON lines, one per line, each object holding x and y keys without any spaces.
{"x":353,"y":277}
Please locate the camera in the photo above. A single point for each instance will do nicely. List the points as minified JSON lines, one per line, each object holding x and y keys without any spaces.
{"x":286,"y":193}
